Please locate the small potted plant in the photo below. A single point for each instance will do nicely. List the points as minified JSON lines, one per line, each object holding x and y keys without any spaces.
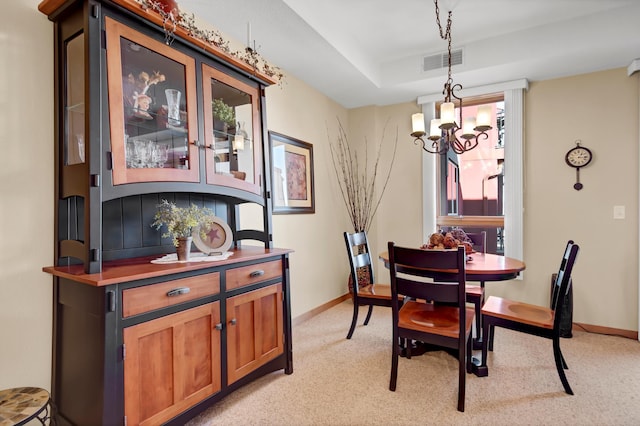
{"x":223,"y":113}
{"x":180,"y":223}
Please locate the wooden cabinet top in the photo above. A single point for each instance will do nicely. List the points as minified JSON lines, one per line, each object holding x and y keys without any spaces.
{"x":50,"y":7}
{"x":140,"y":268}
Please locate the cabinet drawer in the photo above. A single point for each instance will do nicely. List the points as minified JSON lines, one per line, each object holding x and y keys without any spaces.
{"x":148,"y":298}
{"x":238,"y":277}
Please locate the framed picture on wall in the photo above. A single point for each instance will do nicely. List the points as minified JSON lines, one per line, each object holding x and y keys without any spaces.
{"x":292,"y":184}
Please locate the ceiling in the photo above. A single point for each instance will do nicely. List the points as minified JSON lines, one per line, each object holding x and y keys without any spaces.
{"x":370,"y":52}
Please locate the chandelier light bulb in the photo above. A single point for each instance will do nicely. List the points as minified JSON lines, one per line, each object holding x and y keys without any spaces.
{"x":483,"y":121}
{"x":435,"y":133}
{"x":447,"y":115}
{"x":468,"y":124}
{"x":417,"y":125}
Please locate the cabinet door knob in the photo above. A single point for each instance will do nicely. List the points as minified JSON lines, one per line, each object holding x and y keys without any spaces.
{"x":178,"y":291}
{"x":257,"y":273}
{"x":219,"y":326}
{"x":196,"y":143}
{"x":233,"y":321}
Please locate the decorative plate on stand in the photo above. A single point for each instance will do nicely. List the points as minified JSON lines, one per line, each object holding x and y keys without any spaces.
{"x":216,"y":240}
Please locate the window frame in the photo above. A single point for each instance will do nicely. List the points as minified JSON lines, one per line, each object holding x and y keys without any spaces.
{"x":513,"y":92}
{"x":449,"y":157}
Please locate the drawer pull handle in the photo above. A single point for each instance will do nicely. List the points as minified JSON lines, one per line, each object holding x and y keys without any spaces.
{"x":219,"y":326}
{"x":233,"y":321}
{"x":257,"y":273}
{"x":178,"y":291}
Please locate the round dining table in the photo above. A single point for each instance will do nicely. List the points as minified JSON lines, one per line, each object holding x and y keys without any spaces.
{"x":480,"y":267}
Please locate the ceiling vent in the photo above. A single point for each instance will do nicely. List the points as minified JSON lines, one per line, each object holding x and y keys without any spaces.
{"x":441,"y":60}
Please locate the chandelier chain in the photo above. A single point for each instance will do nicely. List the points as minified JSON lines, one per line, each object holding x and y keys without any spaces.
{"x":445,"y":139}
{"x":449,"y":50}
{"x":446,"y":35}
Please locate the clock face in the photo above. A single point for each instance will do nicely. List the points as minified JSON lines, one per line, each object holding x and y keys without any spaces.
{"x":578,"y":157}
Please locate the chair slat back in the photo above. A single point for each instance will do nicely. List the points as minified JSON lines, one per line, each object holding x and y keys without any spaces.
{"x":361,"y":260}
{"x":558,"y":277}
{"x":426,"y":259}
{"x":410,"y":263}
{"x":359,"y":255}
{"x":563,"y":281}
{"x":436,"y":291}
{"x":479,"y":240}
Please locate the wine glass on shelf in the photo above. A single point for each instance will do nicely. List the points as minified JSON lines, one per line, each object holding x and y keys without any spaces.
{"x":160,"y":154}
{"x":130,"y":154}
{"x":142,"y":152}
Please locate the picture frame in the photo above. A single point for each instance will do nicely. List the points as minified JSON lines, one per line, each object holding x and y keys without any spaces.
{"x":292,"y":180}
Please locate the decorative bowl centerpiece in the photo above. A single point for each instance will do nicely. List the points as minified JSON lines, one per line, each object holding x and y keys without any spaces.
{"x":442,"y":240}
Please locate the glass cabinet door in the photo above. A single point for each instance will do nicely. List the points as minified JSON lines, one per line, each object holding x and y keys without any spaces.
{"x":152,"y":109}
{"x":74,"y":143}
{"x":232,"y":131}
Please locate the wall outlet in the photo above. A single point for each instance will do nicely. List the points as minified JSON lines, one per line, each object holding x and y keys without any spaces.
{"x":618,"y":212}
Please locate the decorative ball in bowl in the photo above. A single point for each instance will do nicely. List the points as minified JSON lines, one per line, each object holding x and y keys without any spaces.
{"x":442,"y":241}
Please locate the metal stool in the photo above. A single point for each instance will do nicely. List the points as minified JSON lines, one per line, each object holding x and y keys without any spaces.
{"x":20,"y":405}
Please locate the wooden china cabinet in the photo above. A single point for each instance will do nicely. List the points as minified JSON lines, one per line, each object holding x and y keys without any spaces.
{"x":146,"y":112}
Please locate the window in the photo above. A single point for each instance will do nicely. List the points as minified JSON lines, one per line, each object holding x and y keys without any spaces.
{"x":512,"y":141}
{"x":472,"y":183}
{"x":450,"y":195}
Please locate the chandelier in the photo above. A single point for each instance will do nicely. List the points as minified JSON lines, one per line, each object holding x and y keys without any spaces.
{"x":443,"y":131}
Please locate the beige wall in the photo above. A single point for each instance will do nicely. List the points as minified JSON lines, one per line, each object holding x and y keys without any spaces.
{"x":26,"y":190}
{"x":554,"y":211}
{"x":399,"y":216}
{"x":318,"y":266}
{"x":557,"y":113}
{"x":601,"y":109}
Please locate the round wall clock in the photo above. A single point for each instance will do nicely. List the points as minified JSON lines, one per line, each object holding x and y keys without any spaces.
{"x":578,"y":157}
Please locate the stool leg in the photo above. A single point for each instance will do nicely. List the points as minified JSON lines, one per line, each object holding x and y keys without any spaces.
{"x":46,"y":414}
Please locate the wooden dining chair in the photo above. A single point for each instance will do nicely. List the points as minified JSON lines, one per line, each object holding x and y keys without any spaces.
{"x":532,"y":319}
{"x":475,"y":294}
{"x":444,"y":321}
{"x":479,"y":241}
{"x":371,"y":294}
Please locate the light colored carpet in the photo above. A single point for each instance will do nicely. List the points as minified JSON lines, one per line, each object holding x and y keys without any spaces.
{"x":346,"y":382}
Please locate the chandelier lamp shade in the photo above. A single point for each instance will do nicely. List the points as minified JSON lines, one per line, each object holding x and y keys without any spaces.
{"x":446,"y":132}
